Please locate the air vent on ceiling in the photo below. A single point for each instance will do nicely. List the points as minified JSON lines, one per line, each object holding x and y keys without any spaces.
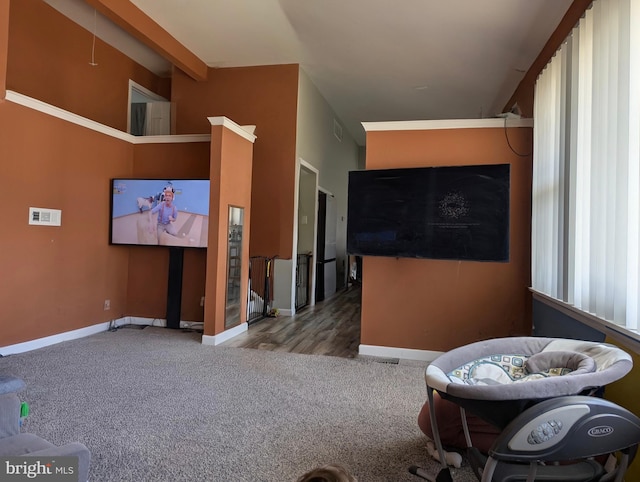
{"x":45,"y":217}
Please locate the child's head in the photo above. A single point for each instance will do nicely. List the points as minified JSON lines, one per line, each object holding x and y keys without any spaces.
{"x":328,"y":473}
{"x":168,"y":195}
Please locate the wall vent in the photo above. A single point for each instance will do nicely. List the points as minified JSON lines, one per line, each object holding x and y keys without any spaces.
{"x":45,"y":217}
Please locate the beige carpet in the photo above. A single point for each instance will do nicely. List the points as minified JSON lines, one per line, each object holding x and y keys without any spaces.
{"x":155,"y":404}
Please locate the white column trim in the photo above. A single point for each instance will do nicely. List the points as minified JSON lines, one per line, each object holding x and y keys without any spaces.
{"x":243,"y":131}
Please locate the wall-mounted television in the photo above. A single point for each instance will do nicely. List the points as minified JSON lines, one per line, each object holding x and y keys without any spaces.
{"x":160,"y":212}
{"x":457,"y":212}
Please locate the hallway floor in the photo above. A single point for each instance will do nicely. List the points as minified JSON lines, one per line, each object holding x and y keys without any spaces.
{"x":331,"y":327}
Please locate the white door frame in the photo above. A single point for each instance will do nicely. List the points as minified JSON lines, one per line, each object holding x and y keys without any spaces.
{"x":300,"y":164}
{"x":143,"y":91}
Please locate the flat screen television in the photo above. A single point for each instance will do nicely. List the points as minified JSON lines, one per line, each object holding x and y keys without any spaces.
{"x":457,"y":212}
{"x":158,"y":212}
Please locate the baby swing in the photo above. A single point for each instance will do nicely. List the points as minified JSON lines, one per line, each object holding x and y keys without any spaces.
{"x":540,"y":393}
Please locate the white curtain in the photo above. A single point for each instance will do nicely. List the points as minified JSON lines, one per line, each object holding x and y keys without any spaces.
{"x":586,"y":179}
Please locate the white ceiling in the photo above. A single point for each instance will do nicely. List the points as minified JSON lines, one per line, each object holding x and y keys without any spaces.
{"x":372,"y":60}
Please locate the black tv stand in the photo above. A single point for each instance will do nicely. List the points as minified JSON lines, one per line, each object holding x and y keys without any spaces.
{"x":174,"y":287}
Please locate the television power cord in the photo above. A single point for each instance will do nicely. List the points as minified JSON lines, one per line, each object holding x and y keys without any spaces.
{"x":509,"y":143}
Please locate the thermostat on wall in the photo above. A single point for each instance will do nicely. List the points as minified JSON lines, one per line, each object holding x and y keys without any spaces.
{"x":45,"y":217}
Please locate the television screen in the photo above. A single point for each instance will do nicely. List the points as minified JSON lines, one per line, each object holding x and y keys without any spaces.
{"x":458,"y":212}
{"x":160,"y":212}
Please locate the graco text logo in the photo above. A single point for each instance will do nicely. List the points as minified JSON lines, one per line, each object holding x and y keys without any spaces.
{"x":58,"y":469}
{"x":600,"y":431}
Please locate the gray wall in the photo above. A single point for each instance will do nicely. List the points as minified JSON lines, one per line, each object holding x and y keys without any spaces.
{"x":333,"y":158}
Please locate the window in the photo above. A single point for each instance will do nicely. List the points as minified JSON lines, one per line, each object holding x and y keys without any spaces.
{"x":586,"y":179}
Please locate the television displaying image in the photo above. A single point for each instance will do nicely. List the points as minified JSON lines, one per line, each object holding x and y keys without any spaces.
{"x":160,"y":212}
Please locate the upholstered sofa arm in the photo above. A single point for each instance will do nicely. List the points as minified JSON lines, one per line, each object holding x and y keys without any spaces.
{"x":29,"y":444}
{"x":9,"y":415}
{"x":13,"y":443}
{"x":11,"y":384}
{"x":10,"y":405}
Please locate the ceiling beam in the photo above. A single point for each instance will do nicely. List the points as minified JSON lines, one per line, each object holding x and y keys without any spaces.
{"x":144,"y":28}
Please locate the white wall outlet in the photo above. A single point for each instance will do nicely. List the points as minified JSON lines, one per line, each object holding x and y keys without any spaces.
{"x":107,"y":305}
{"x":202,"y":301}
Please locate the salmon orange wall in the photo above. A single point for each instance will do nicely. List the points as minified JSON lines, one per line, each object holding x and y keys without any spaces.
{"x":147,"y":298}
{"x":49,"y":59}
{"x":267,"y":98}
{"x":440,"y":304}
{"x":62,"y":275}
{"x":57,"y":278}
{"x":231,"y":159}
{"x":55,"y":50}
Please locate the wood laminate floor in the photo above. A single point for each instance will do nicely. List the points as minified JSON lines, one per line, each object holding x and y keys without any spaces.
{"x":331,"y":327}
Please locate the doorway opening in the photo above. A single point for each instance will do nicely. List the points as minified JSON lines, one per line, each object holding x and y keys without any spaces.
{"x":326,"y":269}
{"x":148,"y":114}
{"x":306,"y":236}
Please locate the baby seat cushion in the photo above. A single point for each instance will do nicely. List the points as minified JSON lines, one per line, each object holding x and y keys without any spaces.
{"x":517,"y":368}
{"x":501,"y":369}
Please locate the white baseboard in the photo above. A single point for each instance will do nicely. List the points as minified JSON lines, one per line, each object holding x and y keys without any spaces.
{"x":369,"y":350}
{"x":285,"y":312}
{"x":225,"y":335}
{"x":58,"y":338}
{"x":89,"y":330}
{"x":404,"y":353}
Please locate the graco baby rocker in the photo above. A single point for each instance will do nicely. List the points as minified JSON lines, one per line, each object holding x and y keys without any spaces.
{"x":540,"y":393}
